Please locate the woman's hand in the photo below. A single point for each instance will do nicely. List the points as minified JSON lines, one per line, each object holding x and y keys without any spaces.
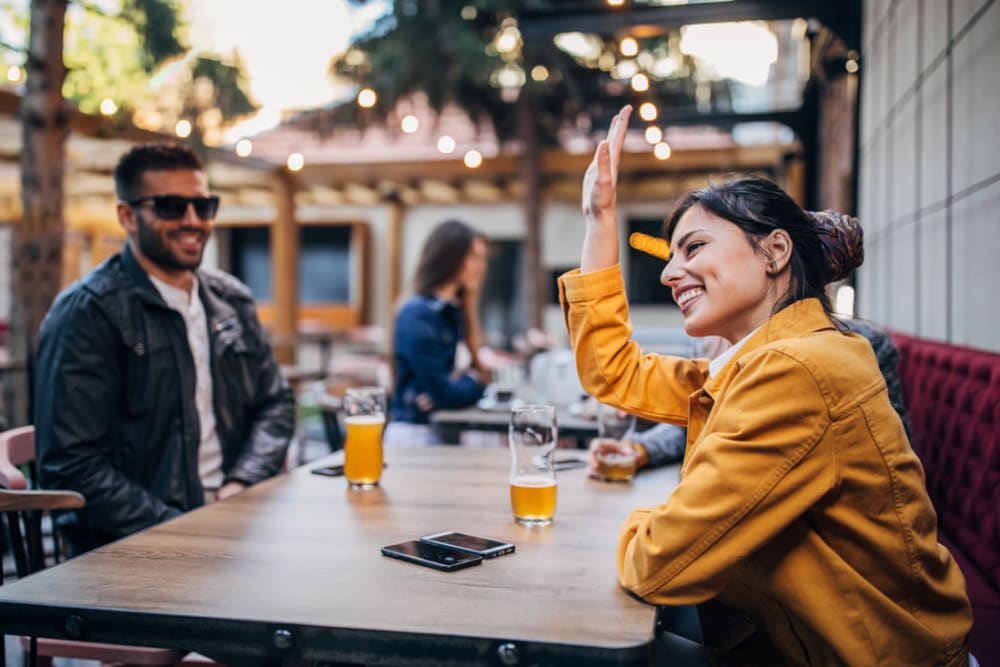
{"x":600,"y":198}
{"x":601,"y":180}
{"x":602,"y":446}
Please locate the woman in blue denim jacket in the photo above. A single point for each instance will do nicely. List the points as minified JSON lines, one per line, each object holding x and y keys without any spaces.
{"x":429,"y":326}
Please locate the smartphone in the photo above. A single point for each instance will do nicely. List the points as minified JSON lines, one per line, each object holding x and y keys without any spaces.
{"x":329,"y":471}
{"x":569,"y":464}
{"x":332,"y":471}
{"x":432,"y":555}
{"x":480,"y":546}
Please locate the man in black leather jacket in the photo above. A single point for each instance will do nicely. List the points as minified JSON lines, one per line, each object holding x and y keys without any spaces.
{"x":153,"y":375}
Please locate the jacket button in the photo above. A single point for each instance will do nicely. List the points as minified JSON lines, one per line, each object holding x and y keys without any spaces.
{"x":139,"y":349}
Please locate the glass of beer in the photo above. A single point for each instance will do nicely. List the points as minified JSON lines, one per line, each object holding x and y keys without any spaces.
{"x":364,"y":419}
{"x":614,"y":423}
{"x":532,"y":435}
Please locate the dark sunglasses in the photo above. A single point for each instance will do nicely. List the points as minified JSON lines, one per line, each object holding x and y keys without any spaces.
{"x":173,"y":207}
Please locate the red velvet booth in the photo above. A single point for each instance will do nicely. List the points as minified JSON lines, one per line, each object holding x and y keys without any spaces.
{"x":953,"y":397}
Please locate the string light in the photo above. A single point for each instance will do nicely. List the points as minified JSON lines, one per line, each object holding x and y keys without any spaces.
{"x":244,"y":147}
{"x":540,"y":73}
{"x":13,"y":73}
{"x":662,"y":151}
{"x":446,"y":144}
{"x":410,"y":123}
{"x":296,"y":162}
{"x":108,"y":107}
{"x":648,"y":112}
{"x":473,"y":159}
{"x":640,"y":83}
{"x":654,"y":134}
{"x":628,"y":47}
{"x":615,"y":3}
{"x":183,"y":129}
{"x":367,"y":98}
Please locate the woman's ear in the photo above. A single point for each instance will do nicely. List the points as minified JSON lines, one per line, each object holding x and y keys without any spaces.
{"x":778,"y":247}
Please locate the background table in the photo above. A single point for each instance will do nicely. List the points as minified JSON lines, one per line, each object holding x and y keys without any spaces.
{"x":449,"y":422}
{"x":291,"y":569}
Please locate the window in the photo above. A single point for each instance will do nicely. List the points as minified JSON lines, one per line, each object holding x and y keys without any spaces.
{"x":331,"y":270}
{"x":642,"y":278}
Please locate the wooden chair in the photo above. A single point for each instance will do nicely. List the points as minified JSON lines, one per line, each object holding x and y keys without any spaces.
{"x":23,"y":510}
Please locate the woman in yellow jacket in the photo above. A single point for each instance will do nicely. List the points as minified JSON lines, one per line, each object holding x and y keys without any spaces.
{"x":801,"y":503}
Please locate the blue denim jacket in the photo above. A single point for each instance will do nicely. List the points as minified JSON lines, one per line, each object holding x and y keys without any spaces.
{"x":426,"y":335}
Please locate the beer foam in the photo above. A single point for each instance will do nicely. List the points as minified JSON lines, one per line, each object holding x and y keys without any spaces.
{"x":364,"y":420}
{"x":535,"y":481}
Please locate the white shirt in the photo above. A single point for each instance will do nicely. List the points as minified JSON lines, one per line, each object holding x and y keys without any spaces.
{"x":193,"y":311}
{"x":715,"y":365}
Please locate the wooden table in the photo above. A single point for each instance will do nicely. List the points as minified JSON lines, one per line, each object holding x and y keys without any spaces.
{"x":476,"y":419}
{"x":291,"y":569}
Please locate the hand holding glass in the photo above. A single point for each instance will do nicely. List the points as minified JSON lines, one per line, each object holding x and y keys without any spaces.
{"x":615,"y":459}
{"x":364,"y":419}
{"x":533,"y":434}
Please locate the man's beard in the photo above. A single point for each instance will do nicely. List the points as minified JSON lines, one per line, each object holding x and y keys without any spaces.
{"x":152,"y":246}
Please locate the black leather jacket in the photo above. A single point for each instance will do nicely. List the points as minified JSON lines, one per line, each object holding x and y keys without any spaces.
{"x":114,"y":406}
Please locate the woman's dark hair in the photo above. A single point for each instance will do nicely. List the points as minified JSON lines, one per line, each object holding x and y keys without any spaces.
{"x":443,"y":255}
{"x":758,"y":207}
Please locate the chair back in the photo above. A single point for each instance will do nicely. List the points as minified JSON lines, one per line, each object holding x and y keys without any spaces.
{"x":17,"y":448}
{"x":31,"y":536}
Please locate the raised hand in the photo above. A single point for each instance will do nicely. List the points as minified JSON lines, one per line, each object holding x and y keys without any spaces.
{"x":601,"y":179}
{"x":600,"y":197}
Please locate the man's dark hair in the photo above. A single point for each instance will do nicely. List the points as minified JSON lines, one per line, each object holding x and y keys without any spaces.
{"x":151,"y":157}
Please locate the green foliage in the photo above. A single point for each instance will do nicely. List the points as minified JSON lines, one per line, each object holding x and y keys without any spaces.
{"x":428,"y":47}
{"x":228,"y":82}
{"x":156,"y":23}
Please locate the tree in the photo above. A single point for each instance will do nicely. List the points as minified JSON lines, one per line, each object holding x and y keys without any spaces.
{"x":472,"y":55}
{"x":46,"y":116}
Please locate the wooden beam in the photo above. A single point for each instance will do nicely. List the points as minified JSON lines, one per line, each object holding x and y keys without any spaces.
{"x":284,"y":268}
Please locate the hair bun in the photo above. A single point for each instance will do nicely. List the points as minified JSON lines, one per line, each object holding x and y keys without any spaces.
{"x":843,"y":242}
{"x":651,"y":245}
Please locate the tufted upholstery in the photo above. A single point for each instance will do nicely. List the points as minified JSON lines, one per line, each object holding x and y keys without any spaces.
{"x":953,"y":397}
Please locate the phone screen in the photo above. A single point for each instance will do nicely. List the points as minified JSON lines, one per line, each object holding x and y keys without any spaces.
{"x":482,"y":546}
{"x":431,"y":555}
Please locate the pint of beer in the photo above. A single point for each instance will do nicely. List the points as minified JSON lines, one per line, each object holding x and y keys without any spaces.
{"x":364,"y":419}
{"x":532,"y":435}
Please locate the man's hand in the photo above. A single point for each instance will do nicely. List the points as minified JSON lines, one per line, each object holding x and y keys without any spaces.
{"x":230,"y":489}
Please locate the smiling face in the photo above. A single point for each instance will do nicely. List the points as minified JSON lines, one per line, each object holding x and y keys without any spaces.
{"x":168,"y":249}
{"x":723,"y":284}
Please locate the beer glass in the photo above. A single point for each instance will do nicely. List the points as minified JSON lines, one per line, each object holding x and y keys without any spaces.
{"x":532,"y":435}
{"x":614,"y":423}
{"x":364,"y":419}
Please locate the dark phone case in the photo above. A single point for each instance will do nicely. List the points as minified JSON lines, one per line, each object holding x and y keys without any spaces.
{"x":431,"y":555}
{"x":498,"y":549}
{"x":328,"y":471}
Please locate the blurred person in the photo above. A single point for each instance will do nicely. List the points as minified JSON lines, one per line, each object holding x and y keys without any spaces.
{"x":155,"y":386}
{"x":800,"y":524}
{"x":430,"y":373}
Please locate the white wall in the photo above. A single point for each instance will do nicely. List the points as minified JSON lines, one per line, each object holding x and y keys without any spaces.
{"x":929,"y":187}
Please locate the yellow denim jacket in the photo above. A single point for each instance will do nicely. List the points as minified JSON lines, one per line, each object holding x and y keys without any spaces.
{"x":800,"y":501}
